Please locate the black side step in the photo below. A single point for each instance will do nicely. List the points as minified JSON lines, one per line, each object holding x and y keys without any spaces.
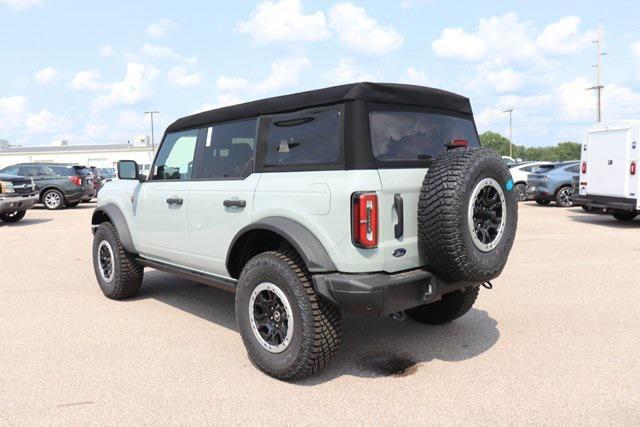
{"x":207,"y":279}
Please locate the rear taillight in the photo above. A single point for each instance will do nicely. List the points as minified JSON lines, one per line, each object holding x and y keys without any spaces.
{"x":458,"y":143}
{"x":364,"y":214}
{"x":632,"y":168}
{"x":77,"y":180}
{"x":584,"y":167}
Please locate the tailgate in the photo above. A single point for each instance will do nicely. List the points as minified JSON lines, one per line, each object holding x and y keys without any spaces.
{"x":608,"y":157}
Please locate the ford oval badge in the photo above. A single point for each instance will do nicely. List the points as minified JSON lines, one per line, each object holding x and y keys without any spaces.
{"x":399,"y":252}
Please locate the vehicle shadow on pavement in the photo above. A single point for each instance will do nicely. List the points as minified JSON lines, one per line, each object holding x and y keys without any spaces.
{"x":371,"y":347}
{"x":604,"y":220}
{"x":25,"y":222}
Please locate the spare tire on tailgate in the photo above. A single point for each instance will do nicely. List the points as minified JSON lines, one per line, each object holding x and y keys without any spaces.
{"x":467,"y":215}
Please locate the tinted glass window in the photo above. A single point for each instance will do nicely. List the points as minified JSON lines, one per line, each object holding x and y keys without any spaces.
{"x":11,"y":170}
{"x":526,"y":168}
{"x":175,"y":158}
{"x":573,"y":169}
{"x":32,"y":170}
{"x":229,"y":149}
{"x":63,"y":170}
{"x":406,"y":135}
{"x":544,"y":168}
{"x":298,"y":139}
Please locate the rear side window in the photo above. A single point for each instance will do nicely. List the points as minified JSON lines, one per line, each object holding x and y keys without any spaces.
{"x":175,"y":158}
{"x":544,"y":168}
{"x":63,"y":170}
{"x":408,"y":135}
{"x":302,"y":139}
{"x":229,"y":149}
{"x":573,"y":169}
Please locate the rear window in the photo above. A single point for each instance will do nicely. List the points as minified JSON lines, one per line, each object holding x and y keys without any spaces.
{"x":407,"y":135}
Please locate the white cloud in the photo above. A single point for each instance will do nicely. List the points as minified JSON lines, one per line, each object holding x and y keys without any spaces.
{"x":107,"y":51}
{"x":161,"y":28}
{"x":284,"y":73}
{"x":12,"y":111}
{"x":505,"y":80}
{"x":135,"y":86}
{"x":128,"y":119}
{"x":284,"y":21}
{"x":489,"y":117}
{"x":22,"y":4}
{"x":96,"y":130}
{"x":181,"y":75}
{"x":635,"y":49}
{"x":46,"y":122}
{"x":347,"y":71}
{"x":87,"y":80}
{"x":46,"y":76}
{"x":455,"y":43}
{"x":361,"y":33}
{"x":232,"y":84}
{"x":574,"y":101}
{"x":407,"y":4}
{"x":414,"y":76}
{"x":563,"y":37}
{"x":159,"y":52}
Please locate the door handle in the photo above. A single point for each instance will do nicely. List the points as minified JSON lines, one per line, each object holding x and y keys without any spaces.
{"x":175,"y":201}
{"x":398,"y":205}
{"x":234,"y":203}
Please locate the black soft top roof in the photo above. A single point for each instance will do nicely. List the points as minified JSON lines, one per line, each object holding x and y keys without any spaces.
{"x":375,"y":92}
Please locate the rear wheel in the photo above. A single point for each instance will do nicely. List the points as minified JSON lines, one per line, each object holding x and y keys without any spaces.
{"x":625,"y":215}
{"x":13,"y":216}
{"x":450,"y":307}
{"x":520,"y":190}
{"x":52,"y":199}
{"x":289,"y":331}
{"x":563,"y":197}
{"x":543,"y":202}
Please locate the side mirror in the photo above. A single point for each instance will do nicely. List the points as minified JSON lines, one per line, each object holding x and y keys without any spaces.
{"x":128,"y":169}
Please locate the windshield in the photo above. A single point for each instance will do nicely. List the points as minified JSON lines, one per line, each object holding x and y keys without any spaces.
{"x":407,"y":135}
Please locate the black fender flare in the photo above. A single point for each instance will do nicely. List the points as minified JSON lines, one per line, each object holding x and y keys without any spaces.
{"x":116,"y":217}
{"x":311,"y":250}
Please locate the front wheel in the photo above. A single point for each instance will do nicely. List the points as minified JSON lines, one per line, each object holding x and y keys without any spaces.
{"x":563,"y":197}
{"x":118,"y":273}
{"x":450,"y":307}
{"x":289,"y":331}
{"x":13,"y":216}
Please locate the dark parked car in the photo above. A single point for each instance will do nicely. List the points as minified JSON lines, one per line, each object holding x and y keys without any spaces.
{"x":17,"y":194}
{"x":57,"y":184}
{"x":553,"y":182}
{"x":97,"y":181}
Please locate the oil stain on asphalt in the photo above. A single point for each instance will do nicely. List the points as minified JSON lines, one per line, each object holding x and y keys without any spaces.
{"x":387,"y":364}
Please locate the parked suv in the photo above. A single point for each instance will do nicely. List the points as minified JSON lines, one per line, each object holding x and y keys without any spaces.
{"x":58,"y":184}
{"x":553,"y":182}
{"x":370,"y":198}
{"x":17,"y":194}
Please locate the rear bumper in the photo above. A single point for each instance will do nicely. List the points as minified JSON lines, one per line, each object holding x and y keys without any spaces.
{"x":605,"y":202}
{"x":14,"y":203}
{"x":381,"y":294}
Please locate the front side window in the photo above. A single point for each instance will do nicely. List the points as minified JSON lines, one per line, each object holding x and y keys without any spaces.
{"x":11,"y":170}
{"x":302,"y":139}
{"x":408,"y":135}
{"x":175,"y":158}
{"x":228,"y":151}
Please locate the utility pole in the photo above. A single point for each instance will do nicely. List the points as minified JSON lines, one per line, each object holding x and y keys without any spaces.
{"x":598,"y":65}
{"x":153,"y":142}
{"x":510,"y":111}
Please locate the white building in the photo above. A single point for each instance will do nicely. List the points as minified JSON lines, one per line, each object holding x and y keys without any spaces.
{"x":99,"y":155}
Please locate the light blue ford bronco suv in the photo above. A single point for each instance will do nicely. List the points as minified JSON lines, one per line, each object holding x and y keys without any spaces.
{"x":368,"y":198}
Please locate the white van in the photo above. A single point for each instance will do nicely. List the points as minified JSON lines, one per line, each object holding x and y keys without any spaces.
{"x":608,"y":169}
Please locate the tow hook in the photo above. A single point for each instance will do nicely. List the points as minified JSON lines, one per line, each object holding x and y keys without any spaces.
{"x":487,"y":285}
{"x":399,"y":316}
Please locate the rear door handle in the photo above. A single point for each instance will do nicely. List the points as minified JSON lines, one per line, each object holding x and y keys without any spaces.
{"x":234,"y":203}
{"x":175,"y":201}
{"x":398,"y":204}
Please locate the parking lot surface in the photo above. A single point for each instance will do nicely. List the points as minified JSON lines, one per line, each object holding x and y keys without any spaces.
{"x":556,"y":341}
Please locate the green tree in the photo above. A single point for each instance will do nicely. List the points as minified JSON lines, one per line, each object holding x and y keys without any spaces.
{"x":563,"y":151}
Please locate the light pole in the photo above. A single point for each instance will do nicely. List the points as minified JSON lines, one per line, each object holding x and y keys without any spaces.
{"x":153,"y":141}
{"x":510,"y":111}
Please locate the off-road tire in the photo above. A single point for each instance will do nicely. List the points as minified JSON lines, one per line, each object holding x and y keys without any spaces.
{"x":444,"y":235}
{"x":625,"y":215}
{"x":72,"y":205}
{"x":51,"y":207}
{"x":13,"y":217}
{"x":127,"y":274}
{"x":450,"y":307}
{"x":543,"y":202}
{"x":317,"y":322}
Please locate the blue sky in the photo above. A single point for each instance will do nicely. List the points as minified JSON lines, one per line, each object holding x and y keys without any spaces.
{"x":86,"y":71}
